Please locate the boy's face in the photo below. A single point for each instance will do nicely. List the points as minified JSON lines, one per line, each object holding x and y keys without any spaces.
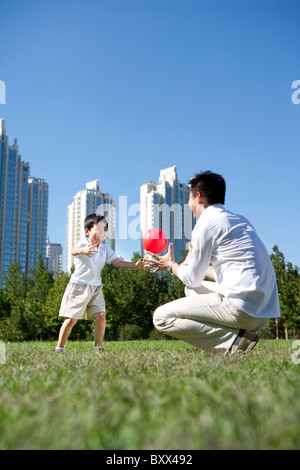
{"x":98,"y":232}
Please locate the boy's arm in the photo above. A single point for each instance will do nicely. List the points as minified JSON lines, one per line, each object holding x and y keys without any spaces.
{"x":128,"y":264}
{"x":88,"y":250}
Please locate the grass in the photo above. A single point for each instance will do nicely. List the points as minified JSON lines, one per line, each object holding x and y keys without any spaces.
{"x":155,"y":395}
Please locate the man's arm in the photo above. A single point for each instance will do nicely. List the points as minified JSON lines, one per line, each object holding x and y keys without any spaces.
{"x":210,"y":274}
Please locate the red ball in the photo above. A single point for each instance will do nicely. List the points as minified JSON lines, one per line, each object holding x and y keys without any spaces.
{"x":155,"y":241}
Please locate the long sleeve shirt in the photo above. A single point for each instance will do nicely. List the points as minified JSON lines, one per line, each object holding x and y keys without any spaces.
{"x":241,"y":265}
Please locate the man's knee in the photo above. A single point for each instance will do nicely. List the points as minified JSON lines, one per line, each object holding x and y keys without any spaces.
{"x":187,"y":291}
{"x":160,"y":317}
{"x":157,"y":317}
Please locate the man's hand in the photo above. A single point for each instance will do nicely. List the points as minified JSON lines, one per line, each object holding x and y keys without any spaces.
{"x":159,"y":263}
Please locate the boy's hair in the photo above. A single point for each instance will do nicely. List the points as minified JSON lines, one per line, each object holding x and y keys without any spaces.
{"x":210,"y":185}
{"x":93,"y":219}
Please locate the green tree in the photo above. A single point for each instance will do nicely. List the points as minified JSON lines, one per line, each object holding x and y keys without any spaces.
{"x":131,"y":297}
{"x":288,"y":282}
{"x":51,"y":306}
{"x":33,"y":318}
{"x":5,"y":314}
{"x":16,"y":285}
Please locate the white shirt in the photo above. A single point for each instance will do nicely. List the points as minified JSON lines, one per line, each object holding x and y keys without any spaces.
{"x":241,"y":265}
{"x":88,"y":270}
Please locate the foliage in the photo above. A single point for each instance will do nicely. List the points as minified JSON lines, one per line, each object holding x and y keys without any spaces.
{"x":33,"y":318}
{"x":131,"y":297}
{"x":29,"y":305}
{"x":288,"y":282}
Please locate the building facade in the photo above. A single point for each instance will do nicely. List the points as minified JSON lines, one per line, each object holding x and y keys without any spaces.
{"x":164,"y":205}
{"x":24,"y":210}
{"x":88,"y":201}
{"x":54,"y":258}
{"x":37,"y":221}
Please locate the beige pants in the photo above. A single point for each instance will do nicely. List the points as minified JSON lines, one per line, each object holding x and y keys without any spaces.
{"x":82,"y":301}
{"x":204,"y":319}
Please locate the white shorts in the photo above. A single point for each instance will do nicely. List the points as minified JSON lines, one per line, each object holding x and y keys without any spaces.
{"x":82,"y":301}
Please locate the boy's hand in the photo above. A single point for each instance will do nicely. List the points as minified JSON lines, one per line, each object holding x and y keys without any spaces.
{"x":89,"y":250}
{"x":140,"y":264}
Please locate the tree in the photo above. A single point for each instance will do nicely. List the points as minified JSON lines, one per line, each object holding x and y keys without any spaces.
{"x":16,"y":285}
{"x":131,"y":296}
{"x":288,"y":281}
{"x":33,"y":321}
{"x":51,"y":306}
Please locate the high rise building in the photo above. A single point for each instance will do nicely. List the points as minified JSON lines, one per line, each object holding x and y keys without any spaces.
{"x":37,"y":221}
{"x":88,"y":201}
{"x":54,"y":254}
{"x":164,"y":205}
{"x":24,"y":209}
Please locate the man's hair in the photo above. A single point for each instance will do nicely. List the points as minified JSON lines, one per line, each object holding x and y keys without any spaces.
{"x":209,"y":185}
{"x":93,"y":219}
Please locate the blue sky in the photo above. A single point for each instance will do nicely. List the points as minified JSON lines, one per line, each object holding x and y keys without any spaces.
{"x":118,"y":89}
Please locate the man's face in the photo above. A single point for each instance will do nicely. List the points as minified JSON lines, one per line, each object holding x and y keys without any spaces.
{"x":98,"y":233}
{"x":193,"y":204}
{"x":196,"y":204}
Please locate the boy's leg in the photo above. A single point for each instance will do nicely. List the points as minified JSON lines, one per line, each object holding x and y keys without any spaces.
{"x":65,"y":331}
{"x":100,"y":323}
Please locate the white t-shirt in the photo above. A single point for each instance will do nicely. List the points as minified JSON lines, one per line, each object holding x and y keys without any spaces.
{"x":88,"y":270}
{"x":241,"y":265}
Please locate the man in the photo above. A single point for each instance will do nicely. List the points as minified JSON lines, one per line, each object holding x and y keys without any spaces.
{"x":222,"y":315}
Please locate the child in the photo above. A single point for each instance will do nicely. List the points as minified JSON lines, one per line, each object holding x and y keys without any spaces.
{"x":83,"y":297}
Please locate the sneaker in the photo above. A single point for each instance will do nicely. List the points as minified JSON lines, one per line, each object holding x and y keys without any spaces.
{"x":244,"y":343}
{"x":58,"y":350}
{"x":99,"y":348}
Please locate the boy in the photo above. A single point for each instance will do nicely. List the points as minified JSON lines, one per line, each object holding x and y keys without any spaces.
{"x":83,"y":297}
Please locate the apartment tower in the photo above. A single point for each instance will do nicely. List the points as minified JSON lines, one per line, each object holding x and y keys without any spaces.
{"x":164,"y":205}
{"x":24,"y":210}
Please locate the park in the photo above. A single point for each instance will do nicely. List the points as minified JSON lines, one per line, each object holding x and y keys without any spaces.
{"x":145,"y":394}
{"x":146,"y":391}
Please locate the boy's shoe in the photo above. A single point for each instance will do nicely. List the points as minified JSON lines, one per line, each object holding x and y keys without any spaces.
{"x":58,"y":350}
{"x":99,"y":348}
{"x":244,"y":343}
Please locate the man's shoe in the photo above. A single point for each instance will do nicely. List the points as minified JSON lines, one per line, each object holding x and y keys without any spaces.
{"x":244,"y":343}
{"x":99,"y":348}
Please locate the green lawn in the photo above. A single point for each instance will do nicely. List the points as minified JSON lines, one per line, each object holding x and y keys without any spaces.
{"x":156,"y":395}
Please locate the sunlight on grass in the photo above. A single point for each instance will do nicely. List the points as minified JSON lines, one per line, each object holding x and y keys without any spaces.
{"x":148,"y":395}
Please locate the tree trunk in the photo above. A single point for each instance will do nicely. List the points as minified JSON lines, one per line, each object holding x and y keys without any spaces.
{"x":286,"y":333}
{"x":277,"y":330}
